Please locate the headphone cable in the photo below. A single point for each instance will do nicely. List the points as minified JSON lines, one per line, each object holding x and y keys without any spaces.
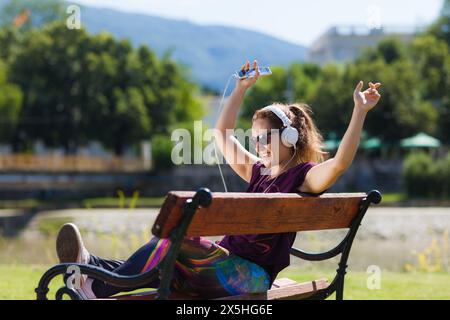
{"x":215,"y":142}
{"x":284,"y":167}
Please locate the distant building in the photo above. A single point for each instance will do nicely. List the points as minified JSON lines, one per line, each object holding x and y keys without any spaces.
{"x":445,"y":11}
{"x":345,"y":43}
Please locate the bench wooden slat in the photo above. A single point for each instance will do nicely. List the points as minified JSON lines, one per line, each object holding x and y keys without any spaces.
{"x":291,"y":292}
{"x":256,"y":213}
{"x":283,"y":282}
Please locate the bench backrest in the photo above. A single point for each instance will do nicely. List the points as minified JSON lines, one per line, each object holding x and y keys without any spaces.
{"x":257,"y":213}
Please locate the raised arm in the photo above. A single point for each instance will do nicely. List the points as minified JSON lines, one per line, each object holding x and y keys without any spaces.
{"x":240,"y":160}
{"x":322,"y":176}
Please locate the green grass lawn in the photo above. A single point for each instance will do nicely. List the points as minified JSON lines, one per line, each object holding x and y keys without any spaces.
{"x":115,"y":202}
{"x":19,"y":282}
{"x":105,"y":202}
{"x":393,"y":197}
{"x":394,"y":285}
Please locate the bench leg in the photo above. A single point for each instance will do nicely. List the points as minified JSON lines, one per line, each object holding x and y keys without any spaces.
{"x":202,"y":198}
{"x":341,"y":272}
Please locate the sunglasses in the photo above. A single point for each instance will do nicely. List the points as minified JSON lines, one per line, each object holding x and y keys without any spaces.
{"x":263,"y":139}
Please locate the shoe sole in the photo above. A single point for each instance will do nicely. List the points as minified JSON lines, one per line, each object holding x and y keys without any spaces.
{"x":69,"y":243}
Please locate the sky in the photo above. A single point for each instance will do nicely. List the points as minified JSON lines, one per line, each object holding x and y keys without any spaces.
{"x":297,"y":21}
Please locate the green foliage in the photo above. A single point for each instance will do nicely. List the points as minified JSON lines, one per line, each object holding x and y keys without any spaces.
{"x":161,"y":152}
{"x":79,"y":88}
{"x":329,"y":105}
{"x":444,"y":120}
{"x":10,"y":105}
{"x":432,"y":58}
{"x":268,"y":90}
{"x":419,"y":174}
{"x":443,"y":174}
{"x":132,"y":122}
{"x":424,"y":176}
{"x":9,"y":39}
{"x":297,"y":82}
{"x":402,"y":111}
{"x":441,"y":28}
{"x":72,"y":87}
{"x":389,"y":50}
{"x":415,"y":90}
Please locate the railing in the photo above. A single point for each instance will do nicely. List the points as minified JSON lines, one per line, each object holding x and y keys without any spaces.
{"x":77,"y":163}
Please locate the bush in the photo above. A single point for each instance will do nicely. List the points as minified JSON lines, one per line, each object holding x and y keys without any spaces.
{"x":161,"y":152}
{"x":425,"y":177}
{"x":443,"y":174}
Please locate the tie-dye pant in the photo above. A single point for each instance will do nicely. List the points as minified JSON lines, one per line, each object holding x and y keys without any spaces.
{"x":203,"y":269}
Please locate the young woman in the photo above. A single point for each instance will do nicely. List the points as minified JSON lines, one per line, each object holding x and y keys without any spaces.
{"x":289,"y":159}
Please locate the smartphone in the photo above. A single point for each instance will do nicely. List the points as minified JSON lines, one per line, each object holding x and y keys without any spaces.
{"x":263,"y":71}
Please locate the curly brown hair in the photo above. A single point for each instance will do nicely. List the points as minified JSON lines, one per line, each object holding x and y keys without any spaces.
{"x":310,"y":141}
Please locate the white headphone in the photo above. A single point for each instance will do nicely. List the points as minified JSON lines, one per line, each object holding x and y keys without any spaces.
{"x":289,"y":135}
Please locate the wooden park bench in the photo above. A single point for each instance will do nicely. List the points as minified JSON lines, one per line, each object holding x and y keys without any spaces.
{"x":215,"y":214}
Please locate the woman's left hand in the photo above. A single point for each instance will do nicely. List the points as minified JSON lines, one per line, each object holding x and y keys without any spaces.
{"x":368,"y":99}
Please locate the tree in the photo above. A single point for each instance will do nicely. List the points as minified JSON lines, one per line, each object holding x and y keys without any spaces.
{"x":389,"y":49}
{"x":405,"y":109}
{"x":295,"y":83}
{"x":131,"y":122}
{"x":332,"y":101}
{"x":431,"y":50}
{"x":10,"y":105}
{"x":432,"y":58}
{"x":402,"y":111}
{"x":441,"y":28}
{"x":79,"y":88}
{"x":48,"y":68}
{"x":9,"y":42}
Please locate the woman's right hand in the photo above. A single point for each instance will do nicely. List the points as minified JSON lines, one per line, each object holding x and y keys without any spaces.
{"x":248,"y":82}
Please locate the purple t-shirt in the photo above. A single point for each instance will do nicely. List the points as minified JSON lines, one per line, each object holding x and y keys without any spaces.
{"x":270,"y":251}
